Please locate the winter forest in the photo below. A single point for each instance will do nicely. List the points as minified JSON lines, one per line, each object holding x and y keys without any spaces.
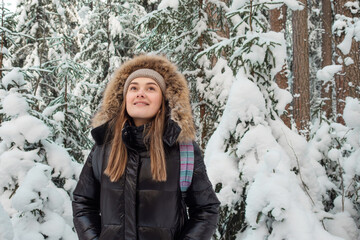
{"x":275,"y":89}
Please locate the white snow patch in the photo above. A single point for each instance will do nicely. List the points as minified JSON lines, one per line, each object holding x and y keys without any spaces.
{"x":14,"y":104}
{"x":53,"y":226}
{"x":169,"y":3}
{"x":221,"y":168}
{"x":5,"y":51}
{"x":284,"y":97}
{"x":246,"y":102}
{"x":50,"y":109}
{"x":276,"y":192}
{"x":59,"y":159}
{"x":327,"y":73}
{"x":6,"y":229}
{"x":357,"y":30}
{"x":348,"y":60}
{"x":352,"y":112}
{"x":24,"y":128}
{"x":15,"y":164}
{"x":26,"y":197}
{"x":115,"y":26}
{"x":59,"y":117}
{"x":14,"y":76}
{"x":353,"y":6}
{"x":294,"y":5}
{"x":342,"y":225}
{"x":345,"y":45}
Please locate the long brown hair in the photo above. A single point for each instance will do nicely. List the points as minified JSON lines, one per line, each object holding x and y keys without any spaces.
{"x":153,"y":137}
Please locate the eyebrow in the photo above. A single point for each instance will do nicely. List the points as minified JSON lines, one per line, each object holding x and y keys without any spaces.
{"x":148,"y":83}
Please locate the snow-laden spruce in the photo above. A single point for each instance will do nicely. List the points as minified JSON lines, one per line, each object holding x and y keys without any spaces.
{"x":272,"y":182}
{"x":53,"y":71}
{"x":337,"y":148}
{"x":37,"y":176}
{"x":269,"y":159}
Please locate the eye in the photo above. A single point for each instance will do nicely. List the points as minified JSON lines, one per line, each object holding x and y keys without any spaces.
{"x":132,"y":88}
{"x":151,"y":89}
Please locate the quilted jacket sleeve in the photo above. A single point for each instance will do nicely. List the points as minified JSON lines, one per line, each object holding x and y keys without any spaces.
{"x":85,"y":205}
{"x":202,"y":203}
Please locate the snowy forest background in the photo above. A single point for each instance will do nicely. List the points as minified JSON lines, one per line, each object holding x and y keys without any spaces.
{"x":275,"y":92}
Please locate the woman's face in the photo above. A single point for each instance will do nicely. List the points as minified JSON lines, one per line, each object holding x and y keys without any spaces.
{"x":143,"y":100}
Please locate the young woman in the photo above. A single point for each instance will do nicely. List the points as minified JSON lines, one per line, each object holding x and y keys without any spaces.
{"x":129,"y":188}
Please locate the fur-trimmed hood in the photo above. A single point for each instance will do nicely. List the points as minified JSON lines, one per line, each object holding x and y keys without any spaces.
{"x":176,"y":94}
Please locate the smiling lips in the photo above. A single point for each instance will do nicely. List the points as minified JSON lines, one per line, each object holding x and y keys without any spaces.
{"x":141,"y":103}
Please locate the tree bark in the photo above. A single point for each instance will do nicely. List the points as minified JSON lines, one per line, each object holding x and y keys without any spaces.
{"x":301,"y":85}
{"x":278,"y":24}
{"x":326,"y":54}
{"x":347,"y":81}
{"x":41,"y":43}
{"x":201,"y":99}
{"x":278,"y":19}
{"x":108,"y":34}
{"x":2,"y":38}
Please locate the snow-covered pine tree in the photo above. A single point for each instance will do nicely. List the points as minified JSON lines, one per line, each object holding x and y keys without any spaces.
{"x":337,"y":148}
{"x":31,"y":47}
{"x":107,"y":37}
{"x":181,"y":29}
{"x":7,"y":34}
{"x":65,"y":113}
{"x":337,"y":144}
{"x":267,"y":179}
{"x":37,"y":176}
{"x":48,"y":37}
{"x":65,"y":106}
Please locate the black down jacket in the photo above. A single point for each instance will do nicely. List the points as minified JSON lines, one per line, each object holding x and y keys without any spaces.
{"x":136,"y":207}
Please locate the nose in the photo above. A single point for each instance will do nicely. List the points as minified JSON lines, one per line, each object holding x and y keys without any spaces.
{"x":140,"y":93}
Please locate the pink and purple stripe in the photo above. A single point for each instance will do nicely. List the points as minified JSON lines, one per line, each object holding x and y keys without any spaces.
{"x":186,"y":165}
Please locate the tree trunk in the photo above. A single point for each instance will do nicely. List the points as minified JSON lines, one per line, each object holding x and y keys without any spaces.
{"x":326,"y":55}
{"x":108,"y":33}
{"x":348,"y":80}
{"x":278,"y":24}
{"x":301,"y":85}
{"x":2,"y":38}
{"x":41,"y":43}
{"x":2,"y":45}
{"x":278,"y":19}
{"x":202,"y":105}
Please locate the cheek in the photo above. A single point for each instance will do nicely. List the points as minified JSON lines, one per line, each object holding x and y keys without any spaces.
{"x":128,"y":100}
{"x":159,"y":101}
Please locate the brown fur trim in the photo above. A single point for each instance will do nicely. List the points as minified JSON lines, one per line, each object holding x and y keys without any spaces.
{"x":177,"y":93}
